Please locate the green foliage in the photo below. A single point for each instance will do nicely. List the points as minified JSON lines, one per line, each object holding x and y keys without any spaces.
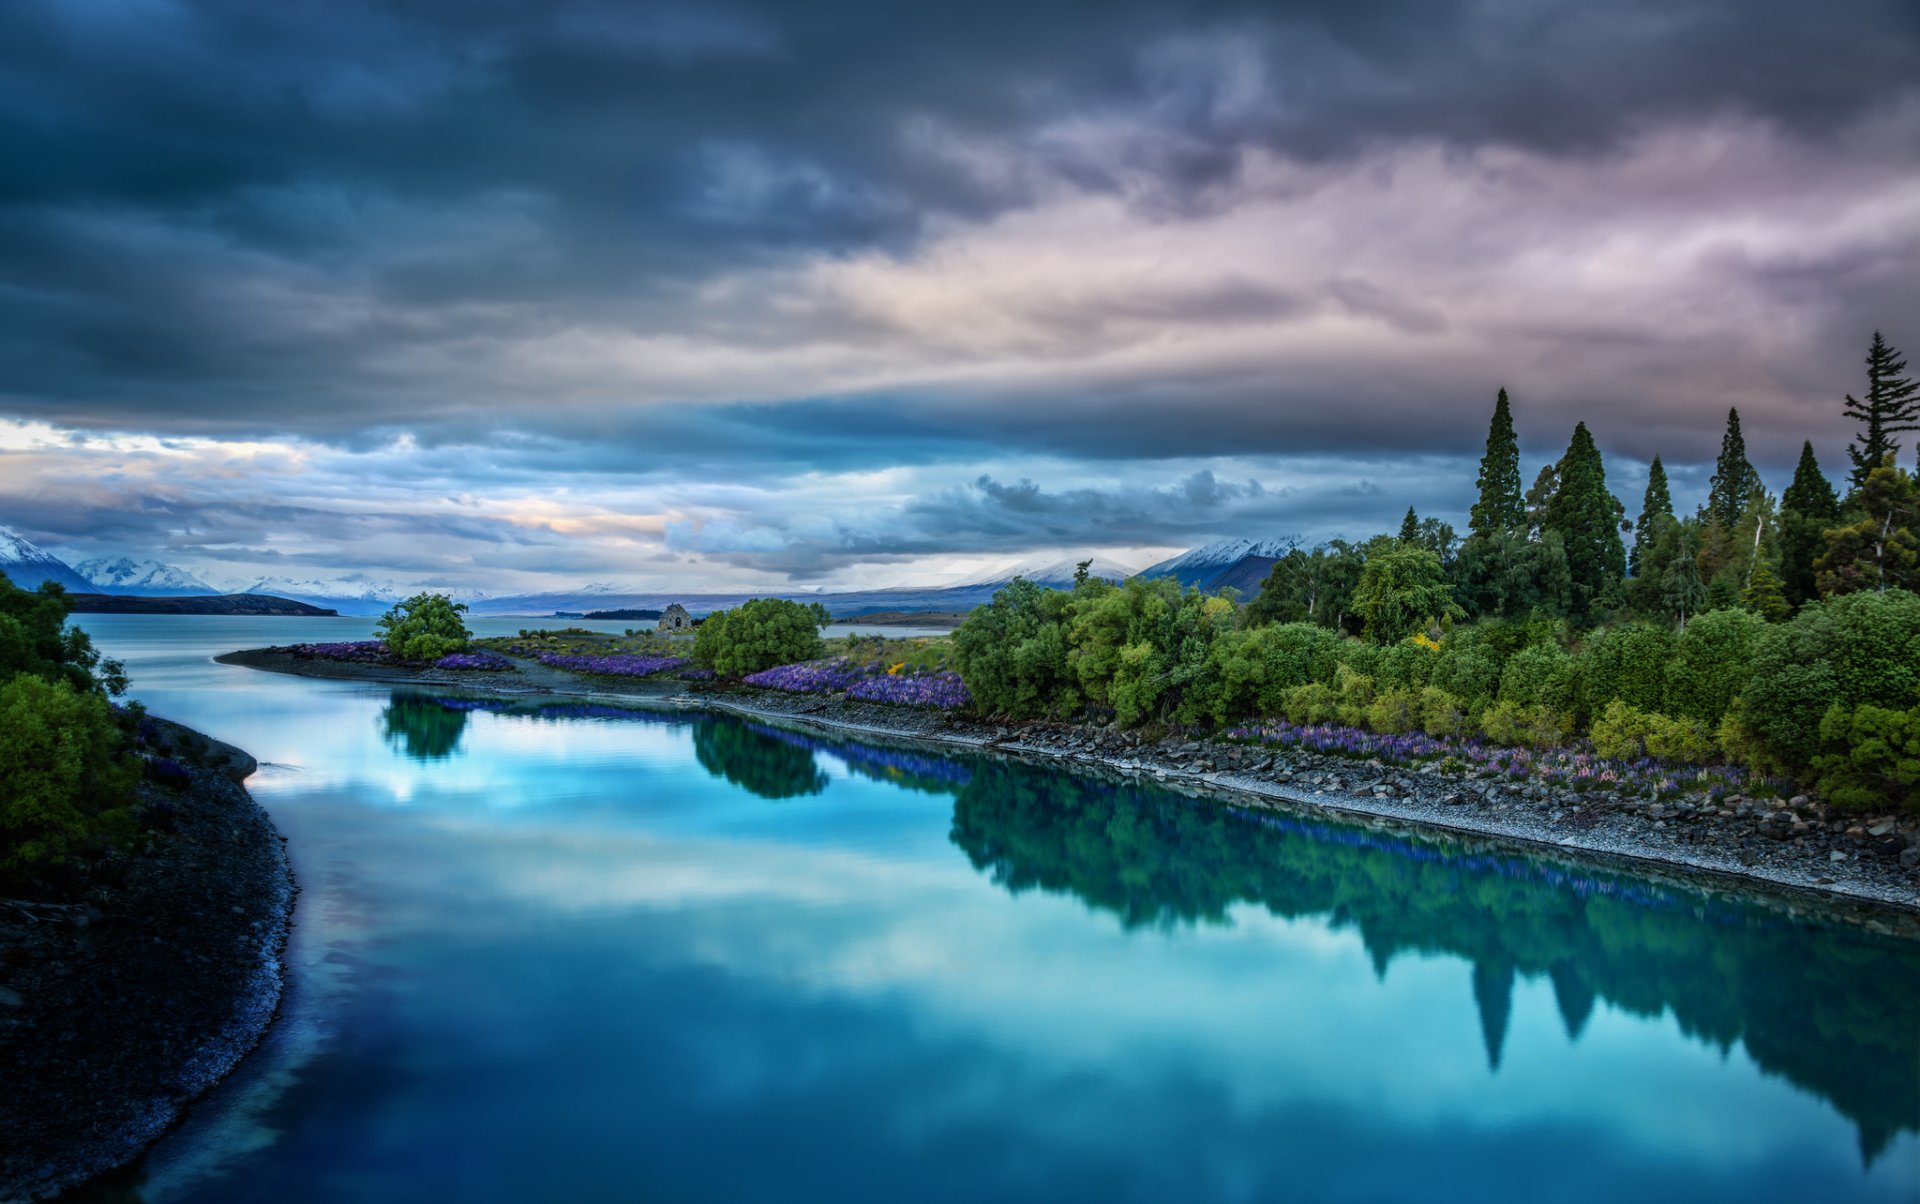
{"x":1890,"y":408}
{"x":1500,"y":509}
{"x":760,"y":763}
{"x":1012,"y":652}
{"x":1735,"y":482}
{"x":1401,"y":590}
{"x":1655,"y":504}
{"x":1524,"y":726}
{"x":1627,"y":663}
{"x":1764,"y":596}
{"x":1875,"y":547}
{"x":34,"y":638}
{"x":421,"y":727}
{"x":1626,"y":732}
{"x":1309,"y":587}
{"x":65,"y":786}
{"x":1542,"y":675}
{"x":1587,"y":518}
{"x":1711,"y":664}
{"x":1874,"y":758}
{"x":759,"y":634}
{"x":423,"y":628}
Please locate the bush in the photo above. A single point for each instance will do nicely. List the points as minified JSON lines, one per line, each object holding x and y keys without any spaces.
{"x":65,"y":782}
{"x":1525,"y":726}
{"x":1012,"y":653}
{"x":1628,"y":663}
{"x":1712,"y":663}
{"x":1315,"y":702}
{"x":1441,"y":714}
{"x":1541,"y":676}
{"x":425,"y":627}
{"x":1875,"y":757}
{"x":1395,"y":712}
{"x":1626,"y":733}
{"x":759,"y":634}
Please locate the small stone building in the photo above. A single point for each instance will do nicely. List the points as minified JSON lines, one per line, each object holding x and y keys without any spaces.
{"x":676,"y":618}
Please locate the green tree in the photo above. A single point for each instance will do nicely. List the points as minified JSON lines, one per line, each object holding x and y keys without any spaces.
{"x":1586,"y":517}
{"x":1764,"y":596}
{"x":1012,"y":651}
{"x":1309,"y":587}
{"x":423,"y":628}
{"x":1402,"y":588}
{"x":1410,"y":527}
{"x":1734,"y":480}
{"x":1655,"y":504}
{"x":759,"y":634}
{"x":66,"y":785}
{"x":1877,"y":549}
{"x":1501,"y":507}
{"x":1808,"y":509}
{"x":35,"y":638}
{"x":1682,"y":592}
{"x":422,"y":727}
{"x":1891,"y":408}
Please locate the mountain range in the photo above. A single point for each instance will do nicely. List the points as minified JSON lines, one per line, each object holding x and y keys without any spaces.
{"x":1240,"y":564}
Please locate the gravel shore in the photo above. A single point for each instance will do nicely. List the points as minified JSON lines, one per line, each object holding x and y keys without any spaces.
{"x":1796,"y":845}
{"x":119,"y":1008}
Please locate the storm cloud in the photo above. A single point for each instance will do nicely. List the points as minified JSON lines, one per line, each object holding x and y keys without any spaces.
{"x":581,"y":260}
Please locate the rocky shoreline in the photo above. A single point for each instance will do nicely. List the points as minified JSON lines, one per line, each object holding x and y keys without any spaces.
{"x":121,"y":1007}
{"x":1794,"y":845}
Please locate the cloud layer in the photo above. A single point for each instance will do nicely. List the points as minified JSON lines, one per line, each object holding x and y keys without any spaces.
{"x":520,"y":281}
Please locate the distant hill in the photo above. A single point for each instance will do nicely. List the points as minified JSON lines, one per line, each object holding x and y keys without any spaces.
{"x":218,"y":604}
{"x":963,"y":596}
{"x":26,"y":564}
{"x":1240,"y":564}
{"x":617,"y":615}
{"x":124,"y":575}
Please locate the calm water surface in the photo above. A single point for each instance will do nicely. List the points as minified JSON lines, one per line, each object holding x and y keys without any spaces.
{"x":566,"y":953}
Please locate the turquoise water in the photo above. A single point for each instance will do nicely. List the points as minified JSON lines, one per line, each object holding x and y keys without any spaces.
{"x":586,"y":954}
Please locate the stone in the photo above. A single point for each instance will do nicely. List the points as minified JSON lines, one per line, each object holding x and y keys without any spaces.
{"x":10,"y":998}
{"x":1910,"y":857}
{"x":1836,"y":855}
{"x":1883,"y":828}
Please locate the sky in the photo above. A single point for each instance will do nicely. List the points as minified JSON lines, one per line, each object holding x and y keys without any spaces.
{"x":515,"y":294}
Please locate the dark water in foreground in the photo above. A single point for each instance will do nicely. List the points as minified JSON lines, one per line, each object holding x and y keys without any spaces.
{"x":575,"y":954}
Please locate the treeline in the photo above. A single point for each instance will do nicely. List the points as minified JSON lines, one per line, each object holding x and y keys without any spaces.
{"x":1776,"y":632}
{"x":67,"y":766}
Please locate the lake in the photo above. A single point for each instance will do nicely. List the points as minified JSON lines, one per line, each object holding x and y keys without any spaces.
{"x":561,"y":952}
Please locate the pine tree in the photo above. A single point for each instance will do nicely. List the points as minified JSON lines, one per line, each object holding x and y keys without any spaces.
{"x":1658,"y":501}
{"x":1807,"y":509}
{"x":1734,"y":480}
{"x":1890,"y":409}
{"x":1500,"y":507}
{"x":1763,"y":595}
{"x":1410,"y":527}
{"x":1587,"y":519}
{"x":1879,"y":549}
{"x":1545,"y":486}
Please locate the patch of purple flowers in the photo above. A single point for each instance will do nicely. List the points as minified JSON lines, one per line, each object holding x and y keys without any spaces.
{"x":481,"y":662}
{"x":695,"y":675}
{"x":942,"y":691}
{"x":828,"y":676}
{"x":372,"y":652}
{"x":168,"y":772}
{"x":618,"y":664}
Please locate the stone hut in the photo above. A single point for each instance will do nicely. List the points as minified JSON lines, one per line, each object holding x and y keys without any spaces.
{"x":676,"y":618}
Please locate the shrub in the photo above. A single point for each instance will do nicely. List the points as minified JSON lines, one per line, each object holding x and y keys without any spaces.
{"x":1395,"y":711}
{"x":1712,"y":662}
{"x":1441,"y":714}
{"x":1466,"y":673}
{"x":1625,"y":733}
{"x":1523,"y":726}
{"x":1874,"y":759}
{"x":1315,"y":702}
{"x":425,"y":627}
{"x":759,"y":634}
{"x":1629,"y":663}
{"x":65,"y":783}
{"x":1542,"y":675}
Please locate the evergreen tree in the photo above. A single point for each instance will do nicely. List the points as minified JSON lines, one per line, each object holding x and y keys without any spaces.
{"x":1545,"y":486}
{"x":1410,"y":527}
{"x":1500,"y":507}
{"x":1878,"y":550}
{"x":1681,"y":588}
{"x":1890,"y":409}
{"x":1658,"y":501}
{"x":1734,"y":480}
{"x":1586,"y":517}
{"x":1763,"y":595}
{"x":1807,"y":509}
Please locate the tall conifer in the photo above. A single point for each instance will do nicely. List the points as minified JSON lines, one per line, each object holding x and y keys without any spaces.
{"x":1500,"y":507}
{"x":1586,"y":517}
{"x":1734,"y":479}
{"x":1410,"y":527}
{"x":1657,"y":501}
{"x":1890,"y":409}
{"x":1808,"y":509}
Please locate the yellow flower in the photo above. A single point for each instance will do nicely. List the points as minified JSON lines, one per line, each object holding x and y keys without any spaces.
{"x":896,"y":668}
{"x":1426,"y":641}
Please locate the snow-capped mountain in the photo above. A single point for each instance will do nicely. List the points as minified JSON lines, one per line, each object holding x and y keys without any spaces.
{"x":1055,"y":574}
{"x":27,"y":564}
{"x":1240,"y":564}
{"x":124,"y":575}
{"x":349,"y":597}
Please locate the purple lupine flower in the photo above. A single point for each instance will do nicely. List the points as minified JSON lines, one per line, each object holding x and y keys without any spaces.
{"x":483,"y":662}
{"x":616,"y":664}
